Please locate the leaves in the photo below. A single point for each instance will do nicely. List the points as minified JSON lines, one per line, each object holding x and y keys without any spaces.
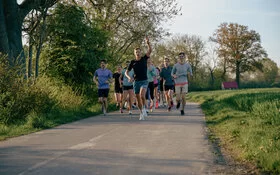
{"x":241,"y":47}
{"x":74,"y":46}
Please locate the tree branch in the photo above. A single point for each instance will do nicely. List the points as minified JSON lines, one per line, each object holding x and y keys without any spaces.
{"x":27,"y":5}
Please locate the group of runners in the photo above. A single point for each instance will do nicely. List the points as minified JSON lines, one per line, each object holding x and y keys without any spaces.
{"x":138,"y":82}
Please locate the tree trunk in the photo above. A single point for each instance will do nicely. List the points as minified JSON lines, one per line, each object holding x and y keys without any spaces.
{"x":10,"y":37}
{"x":237,"y":72}
{"x":30,"y":54}
{"x":42,"y":36}
{"x":11,"y":20}
{"x":4,"y":43}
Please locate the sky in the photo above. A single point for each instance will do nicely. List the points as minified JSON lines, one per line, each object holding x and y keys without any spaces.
{"x":203,"y":17}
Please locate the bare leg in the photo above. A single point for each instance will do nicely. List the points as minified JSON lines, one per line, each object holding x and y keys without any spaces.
{"x":105,"y":103}
{"x":183,"y":100}
{"x":143,"y":95}
{"x":139,"y":102}
{"x":131,"y":98}
{"x":170,"y":94}
{"x":167,"y":98}
{"x":124,"y":97}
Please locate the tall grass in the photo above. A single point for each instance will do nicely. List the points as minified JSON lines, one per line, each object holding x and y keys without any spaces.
{"x":27,"y":106}
{"x":247,"y":122}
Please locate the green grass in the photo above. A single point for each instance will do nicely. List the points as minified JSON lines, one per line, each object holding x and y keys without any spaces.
{"x":247,"y":122}
{"x":51,"y":103}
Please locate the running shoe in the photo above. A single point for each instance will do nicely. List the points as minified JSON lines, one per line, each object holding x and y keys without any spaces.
{"x":182,"y":112}
{"x":144,"y":112}
{"x":141,"y":117}
{"x":169,"y":109}
{"x":178,"y":105}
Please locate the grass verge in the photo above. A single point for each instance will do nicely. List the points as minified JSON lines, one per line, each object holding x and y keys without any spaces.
{"x":247,"y":122}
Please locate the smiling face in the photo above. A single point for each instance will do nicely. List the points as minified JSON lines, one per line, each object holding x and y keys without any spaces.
{"x":181,"y":58}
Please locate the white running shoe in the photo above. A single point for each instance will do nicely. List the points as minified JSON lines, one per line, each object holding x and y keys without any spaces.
{"x":141,"y":117}
{"x":144,"y":113}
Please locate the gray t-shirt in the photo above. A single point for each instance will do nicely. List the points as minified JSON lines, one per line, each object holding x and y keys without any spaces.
{"x":125,"y":79}
{"x":181,"y":71}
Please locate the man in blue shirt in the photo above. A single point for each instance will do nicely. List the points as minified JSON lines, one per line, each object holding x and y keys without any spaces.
{"x":102,"y":78}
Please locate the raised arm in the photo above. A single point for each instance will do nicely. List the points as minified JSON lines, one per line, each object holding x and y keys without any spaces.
{"x":149,"y":47}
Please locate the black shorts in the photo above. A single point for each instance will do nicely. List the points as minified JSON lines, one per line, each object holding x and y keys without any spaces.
{"x":118,"y":90}
{"x":126,"y":88}
{"x":156,"y":85}
{"x":161,"y":85}
{"x":103,"y":92}
{"x":168,"y":87}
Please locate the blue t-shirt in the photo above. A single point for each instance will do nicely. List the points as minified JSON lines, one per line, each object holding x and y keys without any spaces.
{"x":103,"y":76}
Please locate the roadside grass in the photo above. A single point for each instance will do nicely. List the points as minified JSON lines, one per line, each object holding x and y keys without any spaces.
{"x":55,"y":104}
{"x":247,"y":123}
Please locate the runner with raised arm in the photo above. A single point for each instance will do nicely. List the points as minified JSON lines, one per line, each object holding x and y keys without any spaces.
{"x":140,"y":80}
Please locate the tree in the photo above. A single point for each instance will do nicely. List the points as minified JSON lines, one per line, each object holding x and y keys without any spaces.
{"x":12,"y":15}
{"x":193,"y":47}
{"x":211,"y":63}
{"x":240,"y":48}
{"x":267,"y":73}
{"x":129,"y":21}
{"x":74,"y":47}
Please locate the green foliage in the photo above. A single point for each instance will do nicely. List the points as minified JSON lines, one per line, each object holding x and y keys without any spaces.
{"x":247,"y":122}
{"x":241,"y":47}
{"x":74,"y":46}
{"x":17,"y":97}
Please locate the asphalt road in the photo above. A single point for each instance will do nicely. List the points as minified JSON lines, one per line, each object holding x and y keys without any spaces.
{"x":164,"y":144}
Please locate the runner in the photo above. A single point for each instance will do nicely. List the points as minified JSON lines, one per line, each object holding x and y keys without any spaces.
{"x":151,"y":74}
{"x":180,"y":74}
{"x":102,"y":77}
{"x":161,"y":91}
{"x":139,"y":65}
{"x":118,"y":89}
{"x":128,"y":94}
{"x":156,"y":92}
{"x":168,"y":84}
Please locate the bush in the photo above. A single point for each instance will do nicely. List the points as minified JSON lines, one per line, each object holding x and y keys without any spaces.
{"x":17,"y":97}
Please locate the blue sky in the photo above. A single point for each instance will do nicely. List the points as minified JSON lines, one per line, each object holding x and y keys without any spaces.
{"x":202,"y":18}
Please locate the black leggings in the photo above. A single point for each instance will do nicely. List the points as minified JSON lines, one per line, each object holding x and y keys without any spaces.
{"x":151,"y":87}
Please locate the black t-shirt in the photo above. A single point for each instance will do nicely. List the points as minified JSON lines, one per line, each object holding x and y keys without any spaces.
{"x":140,"y":68}
{"x":116,"y":76}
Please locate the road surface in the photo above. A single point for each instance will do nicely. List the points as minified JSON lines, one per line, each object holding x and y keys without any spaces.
{"x":166,"y":143}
